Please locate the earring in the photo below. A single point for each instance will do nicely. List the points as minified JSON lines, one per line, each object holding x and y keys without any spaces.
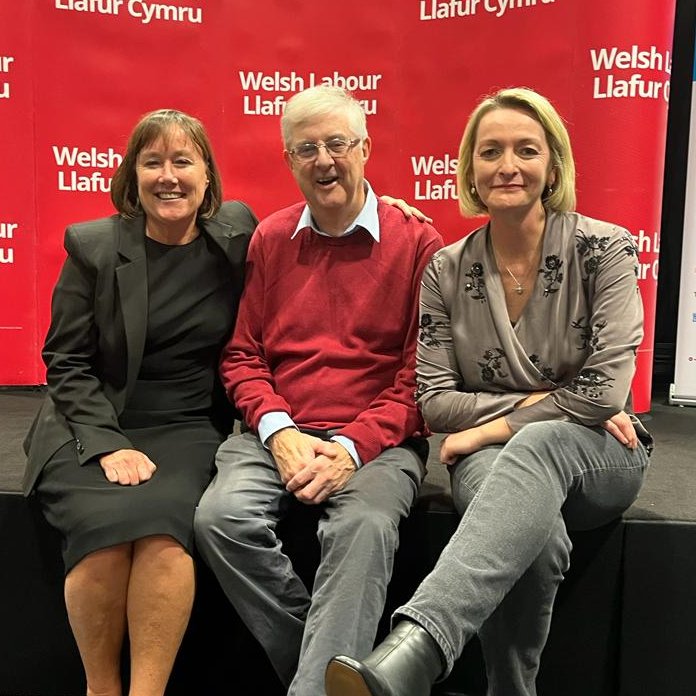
{"x":473,"y":190}
{"x":549,"y":191}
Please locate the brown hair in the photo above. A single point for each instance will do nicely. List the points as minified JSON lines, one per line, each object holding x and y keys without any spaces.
{"x":160,"y":124}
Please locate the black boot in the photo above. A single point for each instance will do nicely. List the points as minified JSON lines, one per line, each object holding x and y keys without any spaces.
{"x":406,"y":663}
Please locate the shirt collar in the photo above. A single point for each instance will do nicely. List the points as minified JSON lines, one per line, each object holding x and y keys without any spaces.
{"x":367,"y":218}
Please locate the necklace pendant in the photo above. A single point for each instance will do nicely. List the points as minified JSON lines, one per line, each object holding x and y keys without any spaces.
{"x":519,"y":289}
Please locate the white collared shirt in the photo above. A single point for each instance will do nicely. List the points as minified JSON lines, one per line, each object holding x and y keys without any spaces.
{"x":367,"y":218}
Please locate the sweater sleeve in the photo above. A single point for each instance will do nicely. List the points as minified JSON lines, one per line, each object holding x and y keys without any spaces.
{"x":393,"y":415}
{"x":244,"y":369}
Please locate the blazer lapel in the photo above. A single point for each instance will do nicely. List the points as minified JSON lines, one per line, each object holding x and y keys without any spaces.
{"x":131,"y":276}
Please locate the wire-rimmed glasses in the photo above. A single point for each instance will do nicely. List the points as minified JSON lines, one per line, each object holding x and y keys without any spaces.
{"x":336,"y":148}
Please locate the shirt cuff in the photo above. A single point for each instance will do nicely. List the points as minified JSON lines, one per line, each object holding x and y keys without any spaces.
{"x":350,"y":446}
{"x":271,"y":423}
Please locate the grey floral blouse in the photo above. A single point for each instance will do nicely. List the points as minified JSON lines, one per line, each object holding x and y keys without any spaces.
{"x":577,"y":336}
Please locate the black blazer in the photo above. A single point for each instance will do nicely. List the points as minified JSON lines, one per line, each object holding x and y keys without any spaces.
{"x":95,"y":343}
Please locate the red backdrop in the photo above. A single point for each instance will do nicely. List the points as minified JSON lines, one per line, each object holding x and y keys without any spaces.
{"x":75,"y":75}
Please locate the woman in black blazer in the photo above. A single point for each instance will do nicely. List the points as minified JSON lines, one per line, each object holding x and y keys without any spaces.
{"x":124,"y":444}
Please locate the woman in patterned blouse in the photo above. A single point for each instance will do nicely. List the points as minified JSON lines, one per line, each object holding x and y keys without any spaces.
{"x":529,"y":332}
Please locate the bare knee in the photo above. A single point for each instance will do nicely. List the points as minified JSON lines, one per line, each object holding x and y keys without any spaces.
{"x":103,"y":563}
{"x":160,"y":550}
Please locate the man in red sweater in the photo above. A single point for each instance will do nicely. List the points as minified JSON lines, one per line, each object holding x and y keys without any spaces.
{"x":322,"y":367}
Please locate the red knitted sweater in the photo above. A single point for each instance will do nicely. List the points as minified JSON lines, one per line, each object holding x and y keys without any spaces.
{"x":327,"y":328}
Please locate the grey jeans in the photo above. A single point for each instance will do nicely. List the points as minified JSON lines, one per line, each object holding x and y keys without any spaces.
{"x":358,"y":533}
{"x":500,"y":571}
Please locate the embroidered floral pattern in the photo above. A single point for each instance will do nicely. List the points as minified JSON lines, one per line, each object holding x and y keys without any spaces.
{"x":492,"y":364}
{"x":630,"y":249}
{"x":589,"y":335}
{"x":428,"y":327}
{"x":552,"y":273}
{"x":437,"y":263}
{"x":592,"y":248}
{"x":545,"y":372}
{"x":591,"y":384}
{"x":477,"y":285}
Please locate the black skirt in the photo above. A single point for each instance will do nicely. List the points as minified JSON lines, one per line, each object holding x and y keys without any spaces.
{"x":91,"y":513}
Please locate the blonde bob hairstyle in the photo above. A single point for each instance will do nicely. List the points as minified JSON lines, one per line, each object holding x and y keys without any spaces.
{"x":562,"y":199}
{"x":322,"y":100}
{"x":152,"y":126}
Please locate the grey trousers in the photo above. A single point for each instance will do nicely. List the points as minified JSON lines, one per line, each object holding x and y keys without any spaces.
{"x":358,"y":533}
{"x":500,"y":571}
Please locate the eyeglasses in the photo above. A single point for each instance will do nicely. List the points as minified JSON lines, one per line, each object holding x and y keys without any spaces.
{"x":336,"y":148}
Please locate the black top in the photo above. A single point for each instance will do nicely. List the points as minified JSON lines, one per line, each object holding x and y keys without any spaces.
{"x":189,"y":319}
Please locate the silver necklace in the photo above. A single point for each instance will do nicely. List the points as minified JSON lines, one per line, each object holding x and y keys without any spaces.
{"x":519,"y":288}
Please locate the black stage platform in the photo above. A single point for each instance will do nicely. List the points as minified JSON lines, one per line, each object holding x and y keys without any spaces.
{"x":624,"y":625}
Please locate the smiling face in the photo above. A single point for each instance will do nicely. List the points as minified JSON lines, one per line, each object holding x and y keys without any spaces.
{"x":511,"y":161}
{"x":334,"y":188}
{"x":172,"y":179}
